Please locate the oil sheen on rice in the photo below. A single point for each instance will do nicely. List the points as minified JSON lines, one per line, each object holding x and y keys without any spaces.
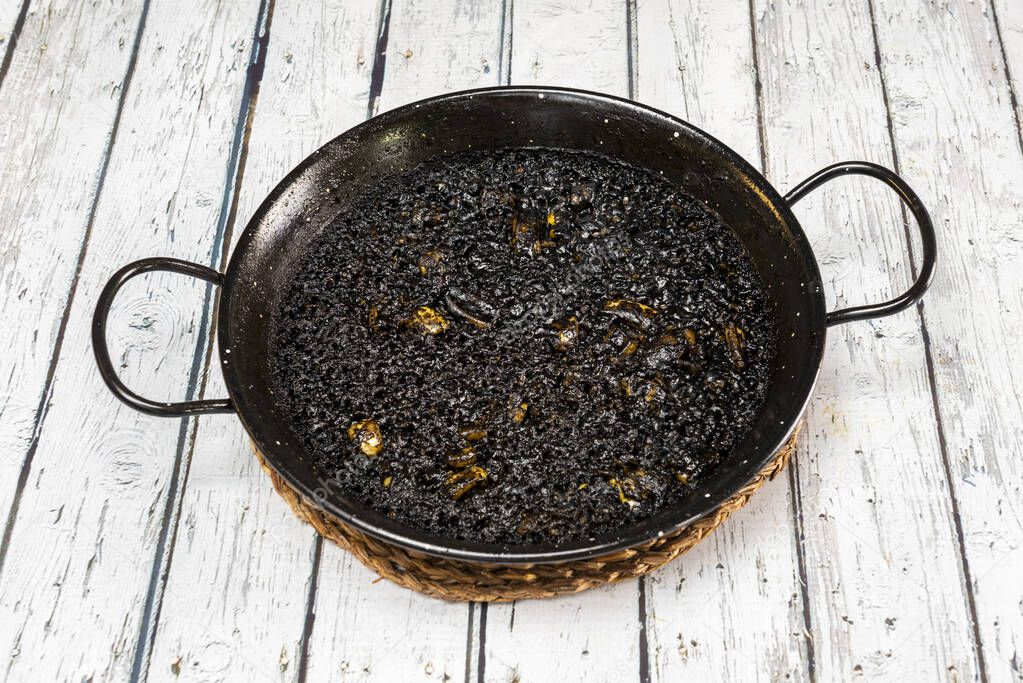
{"x":531,"y":346}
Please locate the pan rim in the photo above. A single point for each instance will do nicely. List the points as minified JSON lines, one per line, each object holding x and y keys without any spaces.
{"x":409,"y":538}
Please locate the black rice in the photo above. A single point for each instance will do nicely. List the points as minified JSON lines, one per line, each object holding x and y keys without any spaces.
{"x":528,"y":346}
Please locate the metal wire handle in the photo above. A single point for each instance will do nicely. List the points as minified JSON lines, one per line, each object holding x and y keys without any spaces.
{"x":99,"y":339}
{"x":923,"y":220}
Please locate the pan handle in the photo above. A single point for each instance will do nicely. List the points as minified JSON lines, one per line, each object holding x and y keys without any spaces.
{"x":912,"y":201}
{"x":99,"y":339}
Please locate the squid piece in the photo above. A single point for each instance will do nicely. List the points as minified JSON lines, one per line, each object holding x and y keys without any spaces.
{"x":367,"y":436}
{"x":427,"y":321}
{"x":461,"y":482}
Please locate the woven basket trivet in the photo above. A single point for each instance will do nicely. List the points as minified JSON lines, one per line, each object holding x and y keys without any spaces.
{"x":456,"y":580}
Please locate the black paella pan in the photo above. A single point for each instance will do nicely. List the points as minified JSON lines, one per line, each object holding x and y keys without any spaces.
{"x":294,"y":214}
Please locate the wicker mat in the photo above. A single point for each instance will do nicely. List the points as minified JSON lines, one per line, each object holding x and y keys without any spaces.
{"x":457,"y":580}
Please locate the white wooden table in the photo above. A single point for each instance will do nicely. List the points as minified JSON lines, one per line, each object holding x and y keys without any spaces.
{"x":141,"y":548}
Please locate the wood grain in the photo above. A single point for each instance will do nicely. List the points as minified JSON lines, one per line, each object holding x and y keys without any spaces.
{"x":433,"y":49}
{"x":883,"y":565}
{"x":733,"y":605}
{"x":90,"y":520}
{"x":56,"y":87}
{"x":575,"y":44}
{"x":957,"y":134}
{"x":10,"y":10}
{"x":368,"y":629}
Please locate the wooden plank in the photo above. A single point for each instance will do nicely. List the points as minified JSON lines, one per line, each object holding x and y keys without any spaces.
{"x":436,"y":48}
{"x":12,"y":19}
{"x":886,"y":596}
{"x":362,"y":630}
{"x":241,"y":564}
{"x":1007,"y":19}
{"x":9,"y":10}
{"x":732,"y":607}
{"x":561,"y":639}
{"x":368,"y":629}
{"x":81,"y":551}
{"x":695,"y":60}
{"x":582,"y":45}
{"x":55,"y":88}
{"x":574,"y":44}
{"x":959,"y":139}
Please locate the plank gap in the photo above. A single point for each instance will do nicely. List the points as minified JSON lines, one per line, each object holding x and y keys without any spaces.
{"x":198,"y":376}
